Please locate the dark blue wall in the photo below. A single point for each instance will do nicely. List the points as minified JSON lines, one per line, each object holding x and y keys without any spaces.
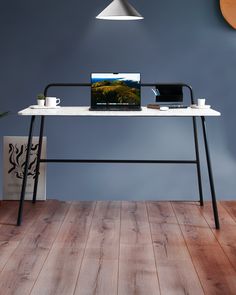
{"x":186,"y":40}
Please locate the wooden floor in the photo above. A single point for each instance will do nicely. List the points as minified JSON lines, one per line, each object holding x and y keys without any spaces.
{"x":112,"y":247}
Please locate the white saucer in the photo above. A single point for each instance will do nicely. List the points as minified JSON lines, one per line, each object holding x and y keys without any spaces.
{"x":206,"y":106}
{"x":43,"y":107}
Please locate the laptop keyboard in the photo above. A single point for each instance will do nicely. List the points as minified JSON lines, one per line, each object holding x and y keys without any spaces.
{"x":115,"y":109}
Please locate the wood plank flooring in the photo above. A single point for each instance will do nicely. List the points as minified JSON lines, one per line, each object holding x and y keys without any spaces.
{"x":117,"y":247}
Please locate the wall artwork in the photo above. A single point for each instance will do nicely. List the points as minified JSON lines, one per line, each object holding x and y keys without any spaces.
{"x":228,"y":9}
{"x":14,"y":152}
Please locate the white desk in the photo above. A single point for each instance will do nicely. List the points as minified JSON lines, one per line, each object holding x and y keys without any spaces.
{"x":145,"y":112}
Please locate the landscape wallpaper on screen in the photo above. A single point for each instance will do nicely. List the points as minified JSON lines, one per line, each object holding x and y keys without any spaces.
{"x":115,"y":89}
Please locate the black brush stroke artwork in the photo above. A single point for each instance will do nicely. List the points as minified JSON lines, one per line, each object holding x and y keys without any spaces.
{"x":17,"y":160}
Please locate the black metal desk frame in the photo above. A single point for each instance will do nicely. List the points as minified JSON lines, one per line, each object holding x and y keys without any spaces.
{"x":196,"y":161}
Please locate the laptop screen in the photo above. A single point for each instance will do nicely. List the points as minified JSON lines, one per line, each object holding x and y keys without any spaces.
{"x":169,"y":93}
{"x":115,"y":90}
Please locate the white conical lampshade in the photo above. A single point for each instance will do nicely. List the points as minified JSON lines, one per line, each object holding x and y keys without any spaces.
{"x":120,"y":10}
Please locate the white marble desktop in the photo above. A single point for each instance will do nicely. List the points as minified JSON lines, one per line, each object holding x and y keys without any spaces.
{"x":145,"y":112}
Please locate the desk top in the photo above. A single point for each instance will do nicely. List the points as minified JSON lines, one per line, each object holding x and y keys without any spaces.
{"x":83,"y":111}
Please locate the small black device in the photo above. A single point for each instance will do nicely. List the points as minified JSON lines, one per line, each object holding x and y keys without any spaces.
{"x":115,"y":92}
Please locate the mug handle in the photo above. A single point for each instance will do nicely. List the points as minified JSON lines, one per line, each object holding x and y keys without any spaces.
{"x":58,"y":101}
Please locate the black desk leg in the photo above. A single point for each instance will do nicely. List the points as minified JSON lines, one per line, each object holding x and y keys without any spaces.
{"x":22,"y":197}
{"x":38,"y":159}
{"x":198,"y":161}
{"x":213,"y":196}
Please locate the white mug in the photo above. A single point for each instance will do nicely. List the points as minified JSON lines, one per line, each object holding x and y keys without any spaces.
{"x":52,"y":101}
{"x":201,"y":102}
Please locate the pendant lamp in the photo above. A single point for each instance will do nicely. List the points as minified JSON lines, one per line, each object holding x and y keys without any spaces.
{"x":119,"y":10}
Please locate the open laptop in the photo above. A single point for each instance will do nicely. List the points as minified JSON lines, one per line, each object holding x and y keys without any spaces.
{"x":115,"y":92}
{"x":169,"y":93}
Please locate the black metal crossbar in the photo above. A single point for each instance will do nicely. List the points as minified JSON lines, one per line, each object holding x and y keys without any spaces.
{"x":119,"y":161}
